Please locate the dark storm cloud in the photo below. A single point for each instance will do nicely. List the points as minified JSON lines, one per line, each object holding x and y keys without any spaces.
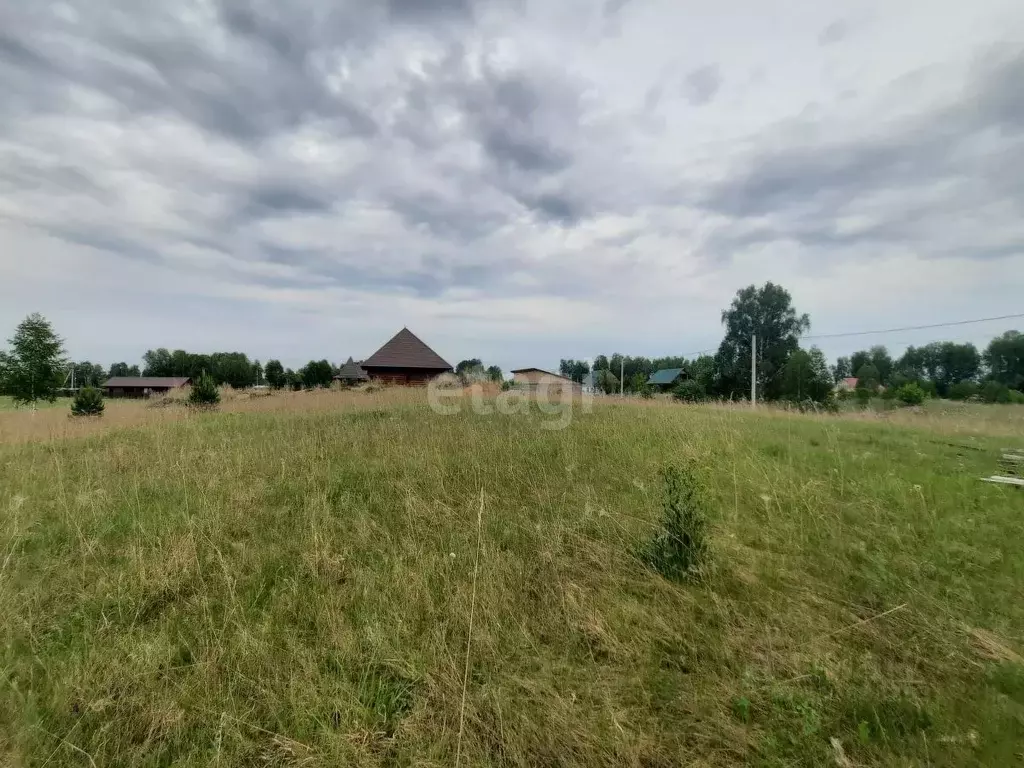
{"x":963,"y":147}
{"x":259,"y":81}
{"x":701,"y":85}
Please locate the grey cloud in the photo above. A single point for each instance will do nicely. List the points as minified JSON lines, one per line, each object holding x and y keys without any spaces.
{"x":835,"y":32}
{"x":612,"y":7}
{"x":424,"y":9}
{"x":554,"y":207}
{"x":283,"y":198}
{"x":260,"y":80}
{"x":527,"y":123}
{"x":805,"y":189}
{"x":701,"y":85}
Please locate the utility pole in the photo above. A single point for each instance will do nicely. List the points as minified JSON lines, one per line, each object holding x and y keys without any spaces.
{"x":622,"y":381}
{"x":753,"y":371}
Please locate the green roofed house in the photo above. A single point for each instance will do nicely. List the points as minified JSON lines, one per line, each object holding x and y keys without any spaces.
{"x":666,"y":378}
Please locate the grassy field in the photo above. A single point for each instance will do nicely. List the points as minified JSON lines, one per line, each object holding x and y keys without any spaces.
{"x":340,"y":579}
{"x":7,"y":404}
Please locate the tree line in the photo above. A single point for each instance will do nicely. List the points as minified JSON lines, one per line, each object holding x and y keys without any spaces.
{"x":943,"y":368}
{"x":787,"y":371}
{"x":36,"y":367}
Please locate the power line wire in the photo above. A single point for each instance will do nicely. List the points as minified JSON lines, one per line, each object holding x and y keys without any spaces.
{"x":886,"y":330}
{"x":913,"y":327}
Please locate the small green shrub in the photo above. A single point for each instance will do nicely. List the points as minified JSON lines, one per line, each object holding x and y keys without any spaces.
{"x":741,"y":709}
{"x":963,"y":390}
{"x":863,"y":395}
{"x":994,"y":392}
{"x":204,"y":392}
{"x":910,"y":394}
{"x":88,"y":402}
{"x":689,"y":391}
{"x":1016,"y":397}
{"x":679,"y":549}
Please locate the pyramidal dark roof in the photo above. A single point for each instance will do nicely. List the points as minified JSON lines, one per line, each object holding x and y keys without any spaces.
{"x":405,"y":350}
{"x":352,"y":371}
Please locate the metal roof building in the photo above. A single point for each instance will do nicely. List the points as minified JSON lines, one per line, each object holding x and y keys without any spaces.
{"x":666,"y":377}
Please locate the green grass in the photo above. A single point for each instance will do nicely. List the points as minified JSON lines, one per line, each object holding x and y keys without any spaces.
{"x":296,"y":589}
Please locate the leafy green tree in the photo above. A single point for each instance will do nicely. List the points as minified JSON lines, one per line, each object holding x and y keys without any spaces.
{"x":607,"y":382}
{"x":963,"y":390}
{"x":465,"y":367}
{"x":274,"y":373}
{"x":993,"y":391}
{"x":690,"y":391}
{"x":88,"y":402}
{"x":1004,"y":357}
{"x":868,"y":378}
{"x":768,"y":313}
{"x":123,"y":369}
{"x":234,"y":369}
{"x":494,"y":374}
{"x":204,"y":392}
{"x":704,"y":370}
{"x":88,"y":374}
{"x":317,"y":373}
{"x":843,"y":369}
{"x":576,"y":370}
{"x":878,"y":357}
{"x":806,"y":377}
{"x":36,"y":366}
{"x":638,"y":384}
{"x":945,"y":363}
{"x":910,"y":394}
{"x":157,"y":362}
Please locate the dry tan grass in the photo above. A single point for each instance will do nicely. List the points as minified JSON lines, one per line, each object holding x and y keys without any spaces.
{"x":291,"y":582}
{"x":56,"y":424}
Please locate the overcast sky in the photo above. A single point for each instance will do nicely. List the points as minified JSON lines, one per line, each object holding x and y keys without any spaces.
{"x":515,"y":180}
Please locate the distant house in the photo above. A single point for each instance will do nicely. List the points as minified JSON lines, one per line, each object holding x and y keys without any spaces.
{"x":405,"y":359}
{"x":143,"y":386}
{"x":847,"y":384}
{"x":352,"y":373}
{"x":666,"y":378}
{"x":538,"y":378}
{"x":590,"y":385}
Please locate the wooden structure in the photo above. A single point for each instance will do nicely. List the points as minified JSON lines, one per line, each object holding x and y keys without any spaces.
{"x":539,"y":379}
{"x":405,"y":359}
{"x":1011,"y":465}
{"x":143,"y":386}
{"x":352,"y":373}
